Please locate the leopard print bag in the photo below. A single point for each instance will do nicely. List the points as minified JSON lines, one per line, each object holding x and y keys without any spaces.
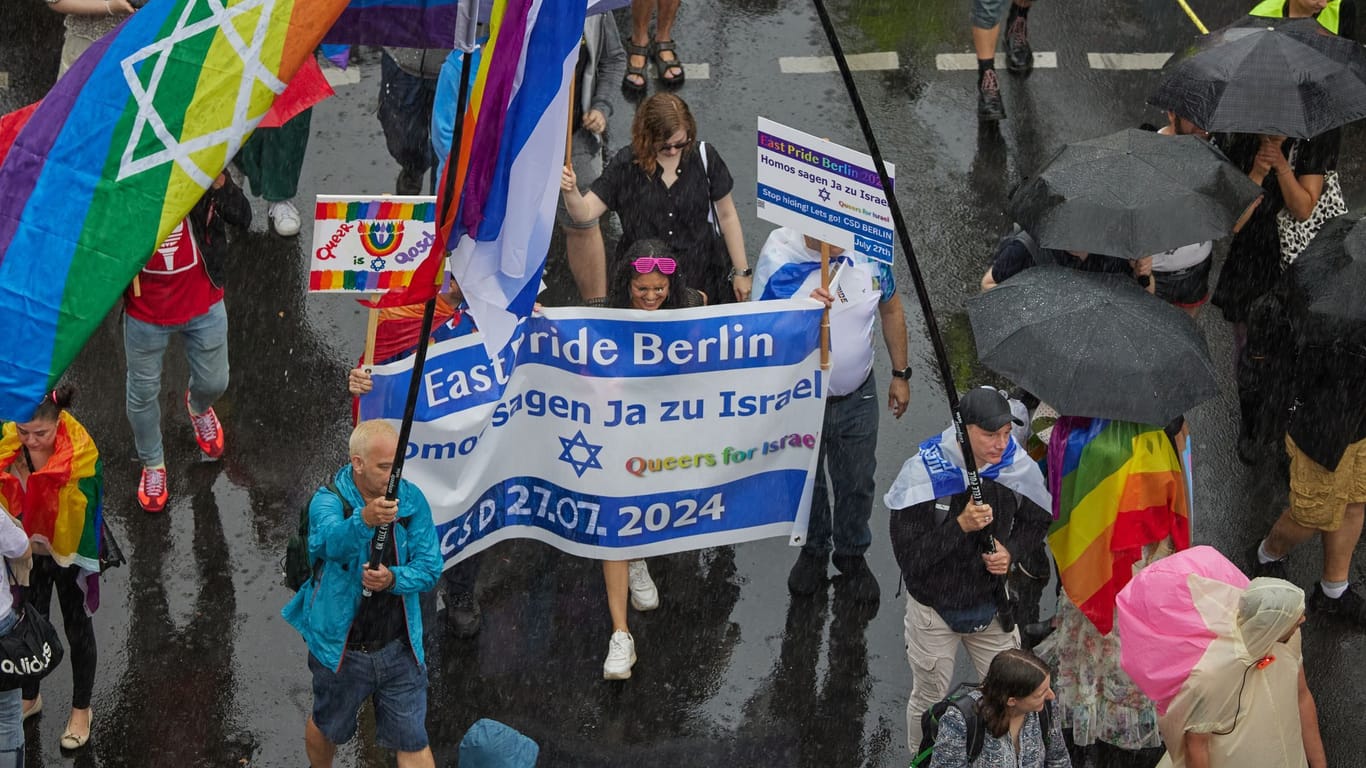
{"x":1296,"y":235}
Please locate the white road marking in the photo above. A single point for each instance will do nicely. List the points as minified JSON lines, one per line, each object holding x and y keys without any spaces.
{"x":859,"y":62}
{"x":953,"y":62}
{"x":4,"y":81}
{"x":1127,"y":61}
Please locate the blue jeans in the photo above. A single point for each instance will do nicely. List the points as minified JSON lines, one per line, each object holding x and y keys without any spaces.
{"x":849,"y":454}
{"x":392,"y":677}
{"x":11,"y":713}
{"x":144,"y":344}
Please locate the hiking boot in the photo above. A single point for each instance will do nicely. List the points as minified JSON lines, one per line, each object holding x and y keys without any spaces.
{"x":152,"y":492}
{"x":463,"y":617}
{"x":408,"y":183}
{"x":1019,"y":56}
{"x":207,"y":431}
{"x":857,"y":580}
{"x":1275,"y":569}
{"x":621,"y":656}
{"x":990,"y":108}
{"x":1351,"y":607}
{"x":807,"y":574}
{"x":644,"y":596}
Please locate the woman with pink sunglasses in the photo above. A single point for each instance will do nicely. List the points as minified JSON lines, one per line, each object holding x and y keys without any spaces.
{"x":647,"y":278}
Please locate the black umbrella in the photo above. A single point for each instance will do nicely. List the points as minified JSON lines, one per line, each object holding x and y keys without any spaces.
{"x":1093,"y":345}
{"x":1283,"y":77}
{"x":1132,"y":194}
{"x":1327,"y":283}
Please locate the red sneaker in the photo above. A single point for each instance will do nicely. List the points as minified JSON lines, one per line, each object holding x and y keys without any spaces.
{"x":152,"y":492}
{"x":207,"y":431}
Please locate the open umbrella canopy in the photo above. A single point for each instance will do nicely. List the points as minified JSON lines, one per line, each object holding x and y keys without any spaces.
{"x":1328,"y":280}
{"x":1133,"y":193}
{"x":1093,"y":345}
{"x":1283,"y":77}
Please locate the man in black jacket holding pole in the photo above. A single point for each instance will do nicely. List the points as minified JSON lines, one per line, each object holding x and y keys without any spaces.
{"x":942,"y":542}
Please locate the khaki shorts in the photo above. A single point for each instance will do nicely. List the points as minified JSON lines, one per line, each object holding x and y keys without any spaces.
{"x":1318,"y":497}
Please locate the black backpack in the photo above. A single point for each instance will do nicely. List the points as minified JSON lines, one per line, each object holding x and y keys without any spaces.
{"x":976,"y":735}
{"x":296,"y":566}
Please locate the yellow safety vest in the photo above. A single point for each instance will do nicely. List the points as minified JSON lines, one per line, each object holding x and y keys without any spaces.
{"x":1275,"y":9}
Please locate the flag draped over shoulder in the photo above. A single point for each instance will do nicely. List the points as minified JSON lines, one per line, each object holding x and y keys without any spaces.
{"x":63,"y":504}
{"x":937,"y":471}
{"x":508,"y":170}
{"x":1117,"y":486}
{"x":117,"y":154}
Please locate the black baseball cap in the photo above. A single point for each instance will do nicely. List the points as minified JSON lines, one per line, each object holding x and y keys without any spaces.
{"x":987,"y":408}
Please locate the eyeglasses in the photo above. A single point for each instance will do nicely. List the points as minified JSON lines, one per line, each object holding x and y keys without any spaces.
{"x":669,"y":147}
{"x":647,"y":264}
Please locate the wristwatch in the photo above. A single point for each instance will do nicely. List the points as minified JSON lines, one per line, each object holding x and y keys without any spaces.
{"x":904,"y":373}
{"x":734,"y":273}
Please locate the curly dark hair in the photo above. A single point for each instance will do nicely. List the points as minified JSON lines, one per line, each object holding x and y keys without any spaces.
{"x":1012,"y":674}
{"x":619,"y":292}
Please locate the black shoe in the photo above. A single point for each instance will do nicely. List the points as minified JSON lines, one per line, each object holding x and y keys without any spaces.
{"x":990,"y":108}
{"x":856,"y":579}
{"x":408,"y":183}
{"x":463,"y":617}
{"x":1255,"y":567}
{"x":1351,"y":607}
{"x":807,"y":574}
{"x":1019,"y":56}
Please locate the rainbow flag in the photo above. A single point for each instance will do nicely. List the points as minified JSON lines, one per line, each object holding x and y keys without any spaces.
{"x":118,"y":152}
{"x":63,"y":504}
{"x":1116,"y":487}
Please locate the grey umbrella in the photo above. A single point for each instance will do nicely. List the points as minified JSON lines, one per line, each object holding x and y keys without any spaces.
{"x":1093,"y":345}
{"x":1328,"y":279}
{"x":1133,"y":193}
{"x":1283,"y":77}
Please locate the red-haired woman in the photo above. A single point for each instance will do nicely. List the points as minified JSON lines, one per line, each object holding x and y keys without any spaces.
{"x":662,"y":187}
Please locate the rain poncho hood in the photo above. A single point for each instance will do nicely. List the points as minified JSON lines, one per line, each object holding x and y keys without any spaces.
{"x":1244,"y":691}
{"x":937,"y":471}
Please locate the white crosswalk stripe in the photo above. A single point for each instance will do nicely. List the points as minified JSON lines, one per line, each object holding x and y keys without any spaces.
{"x":859,"y":62}
{"x":1127,"y":61}
{"x":953,"y":62}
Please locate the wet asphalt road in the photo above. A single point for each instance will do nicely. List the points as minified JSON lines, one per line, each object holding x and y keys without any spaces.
{"x":197,"y":668}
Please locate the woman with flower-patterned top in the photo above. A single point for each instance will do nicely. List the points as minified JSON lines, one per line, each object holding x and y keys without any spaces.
{"x":1014,"y":692}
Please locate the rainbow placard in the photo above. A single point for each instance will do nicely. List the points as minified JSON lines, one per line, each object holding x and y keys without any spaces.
{"x":364,"y":244}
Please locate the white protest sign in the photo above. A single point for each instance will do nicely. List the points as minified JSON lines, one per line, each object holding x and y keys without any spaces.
{"x":369,"y":244}
{"x":824,"y":190}
{"x":619,"y":434}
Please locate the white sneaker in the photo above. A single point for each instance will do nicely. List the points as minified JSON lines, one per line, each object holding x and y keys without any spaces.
{"x":284,"y":218}
{"x":621,"y":656}
{"x":644,"y":596}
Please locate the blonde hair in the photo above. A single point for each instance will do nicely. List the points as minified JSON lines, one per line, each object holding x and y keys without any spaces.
{"x":363,"y":436}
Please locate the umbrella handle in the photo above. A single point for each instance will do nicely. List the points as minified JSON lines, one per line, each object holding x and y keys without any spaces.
{"x":1200,"y":25}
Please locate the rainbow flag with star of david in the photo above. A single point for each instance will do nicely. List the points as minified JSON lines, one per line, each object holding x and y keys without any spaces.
{"x":117,"y":154}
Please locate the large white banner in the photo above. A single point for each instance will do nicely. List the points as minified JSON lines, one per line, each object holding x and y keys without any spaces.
{"x":618,"y":434}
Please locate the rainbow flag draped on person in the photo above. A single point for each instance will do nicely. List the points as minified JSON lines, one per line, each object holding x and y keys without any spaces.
{"x":117,"y":154}
{"x":506,"y":177}
{"x":63,"y":504}
{"x":1116,"y":486}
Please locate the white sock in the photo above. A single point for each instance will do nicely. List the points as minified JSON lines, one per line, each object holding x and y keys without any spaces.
{"x":1333,"y":589}
{"x":1262,"y":556}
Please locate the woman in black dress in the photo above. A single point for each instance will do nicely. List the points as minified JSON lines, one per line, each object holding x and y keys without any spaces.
{"x":662,"y":187}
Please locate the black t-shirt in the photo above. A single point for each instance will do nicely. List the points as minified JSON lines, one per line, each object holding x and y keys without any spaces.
{"x":1330,"y":410}
{"x":677,"y":215}
{"x":380,"y":619}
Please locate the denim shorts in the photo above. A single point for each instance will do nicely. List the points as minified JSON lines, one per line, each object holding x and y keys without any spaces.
{"x":398,"y":685}
{"x":986,"y":14}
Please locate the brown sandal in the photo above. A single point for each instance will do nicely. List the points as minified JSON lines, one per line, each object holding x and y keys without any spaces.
{"x":643,"y":51}
{"x":663,"y":65}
